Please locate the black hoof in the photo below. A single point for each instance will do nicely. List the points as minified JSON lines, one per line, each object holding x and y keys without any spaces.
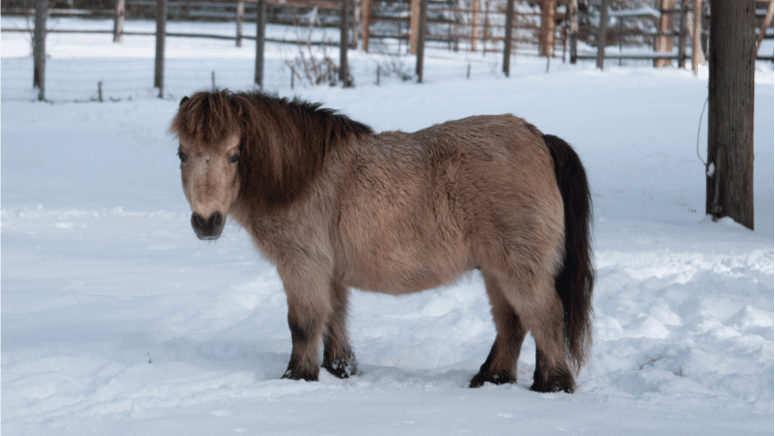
{"x":557,"y":381}
{"x":498,"y":378}
{"x":342,"y":368}
{"x":300,"y":375}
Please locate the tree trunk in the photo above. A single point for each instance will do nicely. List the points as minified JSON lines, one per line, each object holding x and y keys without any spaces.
{"x":729,"y":179}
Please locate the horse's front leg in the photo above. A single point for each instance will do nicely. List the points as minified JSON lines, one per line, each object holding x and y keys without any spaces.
{"x":338,"y":357}
{"x":309,"y":306}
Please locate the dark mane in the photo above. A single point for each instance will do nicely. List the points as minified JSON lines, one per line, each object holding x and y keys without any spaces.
{"x":283,"y":142}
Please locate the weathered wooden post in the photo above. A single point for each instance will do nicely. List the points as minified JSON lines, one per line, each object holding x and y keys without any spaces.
{"x":423,"y":12}
{"x":161,"y":30}
{"x":118,"y":22}
{"x":240,"y":19}
{"x":665,"y":42}
{"x":765,"y":25}
{"x":414,"y":25}
{"x":682,"y":36}
{"x":365,"y":22}
{"x":602,"y":34}
{"x":507,"y":37}
{"x":732,"y":54}
{"x":546,"y":35}
{"x":574,"y":29}
{"x":474,"y":24}
{"x":344,"y":42}
{"x":697,"y":56}
{"x":260,"y":38}
{"x":39,"y":49}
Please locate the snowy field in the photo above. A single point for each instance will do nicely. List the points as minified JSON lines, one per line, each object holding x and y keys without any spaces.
{"x":117,"y":320}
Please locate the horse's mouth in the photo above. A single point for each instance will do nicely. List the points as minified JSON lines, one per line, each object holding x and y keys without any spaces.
{"x":208,"y":237}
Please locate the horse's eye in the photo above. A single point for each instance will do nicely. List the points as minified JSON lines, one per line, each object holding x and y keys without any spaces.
{"x":234,"y":158}
{"x":183,"y":157}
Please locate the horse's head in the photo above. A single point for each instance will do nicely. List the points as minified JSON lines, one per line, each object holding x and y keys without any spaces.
{"x":209,"y":165}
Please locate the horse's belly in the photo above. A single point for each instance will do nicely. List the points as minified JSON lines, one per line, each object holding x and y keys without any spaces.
{"x":401,"y":273}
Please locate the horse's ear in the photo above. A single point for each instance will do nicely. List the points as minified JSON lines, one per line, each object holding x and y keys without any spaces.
{"x":183,"y":100}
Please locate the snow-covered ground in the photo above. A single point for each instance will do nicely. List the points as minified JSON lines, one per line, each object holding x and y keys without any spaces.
{"x":117,"y":320}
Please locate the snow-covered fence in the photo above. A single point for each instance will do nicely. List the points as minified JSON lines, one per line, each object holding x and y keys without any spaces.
{"x":668,"y":31}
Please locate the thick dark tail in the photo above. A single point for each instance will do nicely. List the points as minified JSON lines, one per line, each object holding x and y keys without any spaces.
{"x":576,"y":279}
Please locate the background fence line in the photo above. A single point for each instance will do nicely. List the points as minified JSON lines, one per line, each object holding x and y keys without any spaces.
{"x":481,"y":30}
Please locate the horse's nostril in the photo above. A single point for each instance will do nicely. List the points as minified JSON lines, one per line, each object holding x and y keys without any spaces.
{"x":197,"y":221}
{"x":215,"y":221}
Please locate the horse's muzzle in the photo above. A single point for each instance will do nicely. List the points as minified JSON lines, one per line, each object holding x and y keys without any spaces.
{"x":207,"y":229}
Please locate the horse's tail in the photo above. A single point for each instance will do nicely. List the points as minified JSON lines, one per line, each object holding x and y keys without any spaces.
{"x":576,"y":278}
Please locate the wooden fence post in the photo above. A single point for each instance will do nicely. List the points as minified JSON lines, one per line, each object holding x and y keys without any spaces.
{"x":732,"y":51}
{"x":475,"y":24}
{"x":240,"y":19}
{"x":39,"y":49}
{"x":161,"y":30}
{"x":507,"y":37}
{"x":697,"y":56}
{"x":601,"y":36}
{"x":414,"y":25}
{"x":682,"y":36}
{"x":546,"y":35}
{"x":423,"y":11}
{"x":665,"y":42}
{"x":365,"y":22}
{"x":118,"y":23}
{"x":260,"y":38}
{"x":344,"y":42}
{"x":574,"y":29}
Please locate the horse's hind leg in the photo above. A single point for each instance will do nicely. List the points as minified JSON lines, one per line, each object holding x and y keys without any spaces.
{"x":538,"y":309}
{"x":338,"y":357}
{"x":541,"y":311}
{"x":501,"y":364}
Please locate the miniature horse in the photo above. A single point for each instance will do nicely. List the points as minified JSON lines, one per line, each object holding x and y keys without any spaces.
{"x":335,"y":206}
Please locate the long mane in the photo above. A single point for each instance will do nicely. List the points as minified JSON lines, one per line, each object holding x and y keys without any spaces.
{"x":283,"y":142}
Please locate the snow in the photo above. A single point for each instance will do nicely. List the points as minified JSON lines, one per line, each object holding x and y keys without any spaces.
{"x":117,"y":320}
